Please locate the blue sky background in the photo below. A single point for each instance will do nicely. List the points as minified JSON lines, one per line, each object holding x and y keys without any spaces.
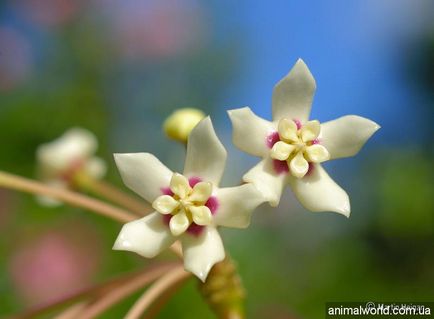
{"x":355,"y":49}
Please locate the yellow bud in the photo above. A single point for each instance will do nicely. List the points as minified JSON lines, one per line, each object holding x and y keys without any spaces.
{"x":180,"y":123}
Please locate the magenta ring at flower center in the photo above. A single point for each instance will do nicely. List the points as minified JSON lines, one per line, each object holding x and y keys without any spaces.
{"x":282,"y":167}
{"x":212,"y":203}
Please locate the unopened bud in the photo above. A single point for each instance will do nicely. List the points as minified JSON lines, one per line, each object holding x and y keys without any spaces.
{"x":180,"y":123}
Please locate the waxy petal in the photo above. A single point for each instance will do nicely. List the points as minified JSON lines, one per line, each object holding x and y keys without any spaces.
{"x":317,"y":192}
{"x":298,"y":165}
{"x":317,"y":153}
{"x":281,"y":151}
{"x":293,"y":95}
{"x":206,"y":156}
{"x":75,"y":144}
{"x":346,"y":135}
{"x":287,"y":130}
{"x":202,"y":252}
{"x":310,"y":131}
{"x":179,"y":185}
{"x":233,"y":212}
{"x":269,"y":183}
{"x":143,"y":173}
{"x":201,"y":215}
{"x":165,"y":204}
{"x":179,"y":223}
{"x":201,"y":192}
{"x":250,"y":132}
{"x":147,"y":236}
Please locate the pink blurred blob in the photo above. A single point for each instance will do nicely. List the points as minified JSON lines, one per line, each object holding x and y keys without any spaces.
{"x":15,"y":58}
{"x":54,"y":264}
{"x":154,"y":29}
{"x":48,"y":13}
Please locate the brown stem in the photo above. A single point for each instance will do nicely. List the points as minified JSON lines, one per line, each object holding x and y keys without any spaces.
{"x":29,"y":186}
{"x":116,"y":295}
{"x":72,"y":311}
{"x":96,"y":290}
{"x":111,"y":193}
{"x":167,"y":283}
{"x":154,"y":309}
{"x":22,"y":184}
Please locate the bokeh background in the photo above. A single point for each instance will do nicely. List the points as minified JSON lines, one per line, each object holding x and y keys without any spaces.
{"x":120,"y":67}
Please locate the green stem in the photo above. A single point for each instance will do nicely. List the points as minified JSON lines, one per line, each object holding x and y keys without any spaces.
{"x":224,"y":291}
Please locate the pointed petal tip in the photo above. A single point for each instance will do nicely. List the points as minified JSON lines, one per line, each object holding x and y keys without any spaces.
{"x":117,"y":245}
{"x":300,"y":61}
{"x":345,"y":209}
{"x":376,"y":127}
{"x":121,"y":244}
{"x":273,"y":202}
{"x":203,"y":273}
{"x":373,"y":125}
{"x":301,"y":64}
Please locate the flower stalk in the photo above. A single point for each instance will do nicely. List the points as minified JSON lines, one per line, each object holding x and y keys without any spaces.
{"x":85,"y":182}
{"x":166,"y":284}
{"x":92,"y":293}
{"x":26,"y":185}
{"x":224,"y":291}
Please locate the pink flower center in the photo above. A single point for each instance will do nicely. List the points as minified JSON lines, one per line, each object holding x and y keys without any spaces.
{"x":212,"y":203}
{"x":272,"y":139}
{"x":282,"y":167}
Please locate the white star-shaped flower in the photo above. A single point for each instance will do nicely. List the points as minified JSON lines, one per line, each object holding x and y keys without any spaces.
{"x":188,"y":206}
{"x":292,"y":146}
{"x":73,"y":152}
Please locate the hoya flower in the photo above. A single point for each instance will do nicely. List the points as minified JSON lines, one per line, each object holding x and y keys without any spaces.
{"x":293,"y":147}
{"x":60,"y":160}
{"x":188,"y":206}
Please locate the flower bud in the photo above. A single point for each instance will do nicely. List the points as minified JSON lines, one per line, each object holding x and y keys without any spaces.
{"x":180,"y":123}
{"x":63,"y":160}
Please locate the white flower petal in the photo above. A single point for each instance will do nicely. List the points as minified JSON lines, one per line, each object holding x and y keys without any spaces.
{"x":147,"y":236}
{"x":179,"y":223}
{"x":202,"y":252}
{"x":179,"y":185}
{"x":269,"y":183}
{"x":317,"y":153}
{"x":293,"y":95}
{"x":346,"y":135}
{"x":281,"y":151}
{"x":201,"y":192}
{"x":165,"y":204}
{"x":236,"y":205}
{"x":310,"y":131}
{"x":75,"y":144}
{"x":201,"y":215}
{"x":298,"y":165}
{"x":250,"y":132}
{"x":287,"y":130}
{"x":96,"y":167}
{"x":143,"y":173}
{"x":317,"y":192}
{"x":206,"y":156}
